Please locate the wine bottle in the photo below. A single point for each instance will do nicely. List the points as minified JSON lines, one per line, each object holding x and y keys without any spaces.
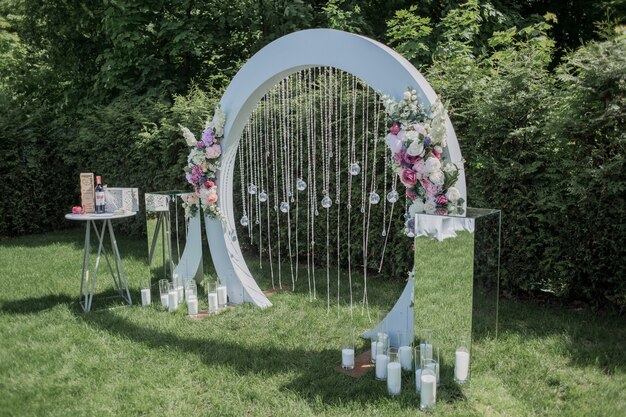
{"x":100,"y":203}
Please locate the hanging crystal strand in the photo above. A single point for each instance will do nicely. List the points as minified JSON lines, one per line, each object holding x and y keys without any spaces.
{"x":366,"y":232}
{"x":314,"y":179}
{"x":298,"y":165}
{"x":327,"y":183}
{"x":286,"y":105}
{"x":351,"y":152}
{"x":365,"y":149}
{"x":275,"y":176}
{"x":266,"y":112}
{"x":241,"y":151}
{"x":385,"y":195}
{"x":338,"y":103}
{"x":393,"y":204}
{"x":257,"y":158}
{"x":309,"y":213}
{"x":249,"y":176}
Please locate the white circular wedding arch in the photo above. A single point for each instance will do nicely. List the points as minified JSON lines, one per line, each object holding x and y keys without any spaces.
{"x":379,"y":66}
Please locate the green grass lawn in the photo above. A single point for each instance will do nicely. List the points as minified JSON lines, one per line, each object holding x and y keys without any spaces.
{"x":56,"y":360}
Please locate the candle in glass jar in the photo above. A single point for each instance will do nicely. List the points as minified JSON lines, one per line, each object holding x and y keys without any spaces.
{"x":381,"y":366}
{"x":221,"y":295}
{"x":373,"y":351}
{"x":426,"y":350}
{"x":347,"y":358}
{"x":145,"y":297}
{"x":428,"y":390}
{"x":172,"y":300}
{"x":164,"y":300}
{"x":181,"y":293}
{"x":212,"y":302}
{"x":406,"y":359}
{"x":461,"y":366}
{"x":192,"y":306}
{"x":394,"y":379}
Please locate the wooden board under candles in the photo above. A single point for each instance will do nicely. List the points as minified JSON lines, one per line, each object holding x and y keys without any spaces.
{"x":87,"y":194}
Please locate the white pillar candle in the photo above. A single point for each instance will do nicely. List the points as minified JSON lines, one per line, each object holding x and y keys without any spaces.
{"x":380,"y":348}
{"x":172,"y":300}
{"x":426,"y":351}
{"x":181,"y":293}
{"x":192,"y":306}
{"x":381,"y":366}
{"x":212,"y":302}
{"x":394,"y":378}
{"x":164,"y":300}
{"x":347,"y":358}
{"x":221,"y":295}
{"x":461,"y":365}
{"x":145,"y":297}
{"x":428,"y":391}
{"x":406,"y":359}
{"x":373,"y":351}
{"x":418,"y":380}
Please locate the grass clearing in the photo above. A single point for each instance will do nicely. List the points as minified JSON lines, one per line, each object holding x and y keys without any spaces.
{"x":57,"y":361}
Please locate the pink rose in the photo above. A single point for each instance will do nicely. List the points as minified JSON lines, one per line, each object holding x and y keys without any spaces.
{"x":411,"y":195}
{"x":77,"y":210}
{"x":213,"y":151}
{"x":190,"y":198}
{"x":212,"y":197}
{"x":435,"y":154}
{"x":441,"y":200}
{"x":429,"y":187}
{"x":418,"y":167}
{"x":410,"y":159}
{"x":209,"y":184}
{"x":395,"y":128}
{"x":408,"y":178}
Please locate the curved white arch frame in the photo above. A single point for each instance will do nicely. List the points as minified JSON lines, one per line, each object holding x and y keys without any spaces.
{"x":379,"y":66}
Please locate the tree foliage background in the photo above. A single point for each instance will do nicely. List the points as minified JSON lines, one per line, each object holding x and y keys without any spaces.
{"x":535,"y":88}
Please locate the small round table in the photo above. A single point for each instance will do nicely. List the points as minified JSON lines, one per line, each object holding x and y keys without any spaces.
{"x":119,"y":276}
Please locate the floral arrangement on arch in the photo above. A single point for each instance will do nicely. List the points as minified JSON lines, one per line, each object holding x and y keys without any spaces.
{"x":202,"y":166}
{"x":417,"y":143}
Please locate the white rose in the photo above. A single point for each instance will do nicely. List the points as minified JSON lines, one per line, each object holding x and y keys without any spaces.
{"x":453,"y":194}
{"x":437,"y":178}
{"x":415,"y":148}
{"x":432,"y":164}
{"x":411,"y":136}
{"x":407,"y":95}
{"x":394,"y":143}
{"x":416,"y":207}
{"x":438,"y":149}
{"x":430,"y":206}
{"x":189,"y":137}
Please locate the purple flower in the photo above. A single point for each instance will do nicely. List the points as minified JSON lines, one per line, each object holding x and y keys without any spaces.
{"x":427,"y":141}
{"x":200,"y":145}
{"x":410,"y":225}
{"x":189,"y":178}
{"x":207,"y":137}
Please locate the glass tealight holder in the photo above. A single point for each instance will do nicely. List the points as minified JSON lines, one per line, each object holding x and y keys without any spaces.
{"x":222,"y":295}
{"x":146,"y":296}
{"x":426,"y":344}
{"x":418,"y":367}
{"x":212,"y":291}
{"x":347,"y":348}
{"x":382,"y":346}
{"x":374,"y":340}
{"x":394,"y":373}
{"x":405,"y":351}
{"x":172,"y":297}
{"x":191,"y":290}
{"x":164,"y":289}
{"x":428,"y":384}
{"x":462,"y":360}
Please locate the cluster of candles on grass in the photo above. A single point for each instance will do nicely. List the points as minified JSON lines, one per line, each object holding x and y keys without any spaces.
{"x":173,"y":294}
{"x":393,"y":354}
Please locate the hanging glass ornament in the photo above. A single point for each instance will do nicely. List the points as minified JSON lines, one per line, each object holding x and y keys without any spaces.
{"x":374,"y":198}
{"x":392,"y":196}
{"x":252,"y":189}
{"x":289,"y":193}
{"x":284,"y":207}
{"x":327,"y":202}
{"x":244,"y":221}
{"x":355,"y":169}
{"x":300,"y":184}
{"x":384,"y":233}
{"x":362,"y":209}
{"x":256,"y":221}
{"x":317,"y":213}
{"x":262,"y":197}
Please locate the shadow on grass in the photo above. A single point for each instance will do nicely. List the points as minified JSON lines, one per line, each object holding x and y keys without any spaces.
{"x":316,"y":381}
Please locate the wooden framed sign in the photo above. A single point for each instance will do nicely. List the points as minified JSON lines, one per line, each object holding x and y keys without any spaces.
{"x":87,"y":195}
